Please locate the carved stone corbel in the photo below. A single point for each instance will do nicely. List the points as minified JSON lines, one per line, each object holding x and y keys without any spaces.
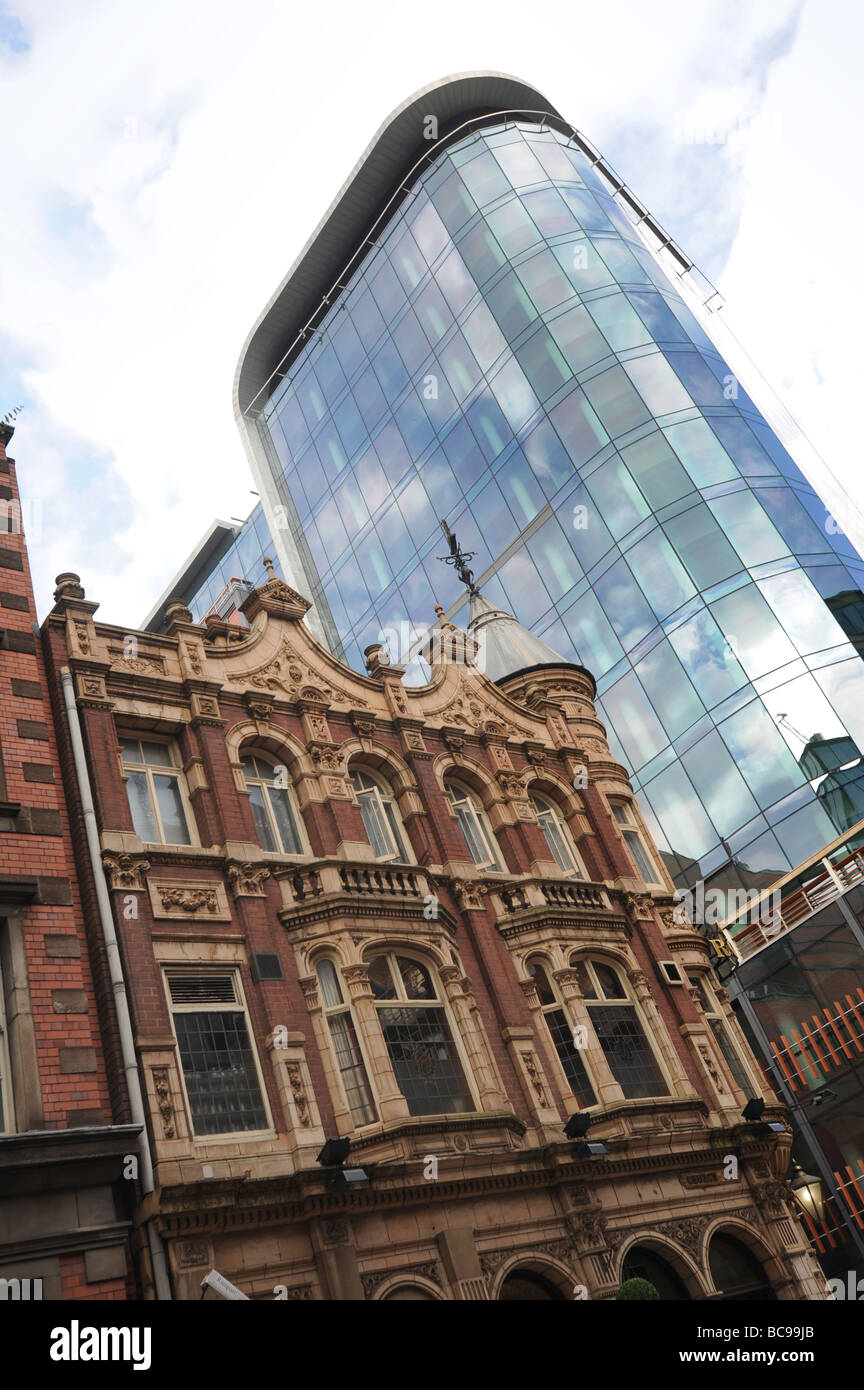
{"x":126,"y":872}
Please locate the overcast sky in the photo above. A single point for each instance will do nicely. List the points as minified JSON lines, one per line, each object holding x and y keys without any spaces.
{"x":163,"y":163}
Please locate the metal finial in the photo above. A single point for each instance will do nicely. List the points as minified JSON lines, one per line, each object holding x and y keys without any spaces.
{"x":458,"y":558}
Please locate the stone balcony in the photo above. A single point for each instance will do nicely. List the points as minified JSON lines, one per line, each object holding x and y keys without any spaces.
{"x":526,"y":902}
{"x":331,"y":887}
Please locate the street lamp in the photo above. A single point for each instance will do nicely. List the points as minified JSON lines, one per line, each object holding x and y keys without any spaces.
{"x":808,"y":1193}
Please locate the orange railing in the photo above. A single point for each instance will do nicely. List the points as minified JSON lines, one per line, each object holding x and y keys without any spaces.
{"x":798,"y":904}
{"x":821,"y":1044}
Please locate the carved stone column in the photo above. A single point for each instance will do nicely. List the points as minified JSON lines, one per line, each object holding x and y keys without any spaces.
{"x":288,"y":1056}
{"x":681,"y":1084}
{"x":472,"y":1034}
{"x":608,"y":1090}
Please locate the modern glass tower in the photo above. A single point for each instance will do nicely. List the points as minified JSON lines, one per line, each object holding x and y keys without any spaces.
{"x":480,"y":330}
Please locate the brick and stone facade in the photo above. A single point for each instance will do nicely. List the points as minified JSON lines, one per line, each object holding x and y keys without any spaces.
{"x":456,"y":1204}
{"x":63,"y":1135}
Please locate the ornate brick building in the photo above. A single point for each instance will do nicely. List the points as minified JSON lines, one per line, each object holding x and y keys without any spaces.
{"x":64,"y":1131}
{"x":430,"y":920}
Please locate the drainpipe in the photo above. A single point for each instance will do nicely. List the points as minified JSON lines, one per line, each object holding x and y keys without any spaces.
{"x":118,"y":984}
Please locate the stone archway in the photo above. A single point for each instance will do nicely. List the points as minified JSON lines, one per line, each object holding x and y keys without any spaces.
{"x":524,"y":1284}
{"x":737,"y":1273}
{"x":645,"y":1262}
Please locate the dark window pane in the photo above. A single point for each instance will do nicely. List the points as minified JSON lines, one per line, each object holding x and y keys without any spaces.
{"x":630,"y":1058}
{"x":424,"y":1060}
{"x":219,"y":1070}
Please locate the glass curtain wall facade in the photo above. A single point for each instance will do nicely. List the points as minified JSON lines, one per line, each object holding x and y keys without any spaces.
{"x":512,"y":358}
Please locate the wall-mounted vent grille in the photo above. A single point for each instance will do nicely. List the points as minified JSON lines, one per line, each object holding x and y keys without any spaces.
{"x":266,"y":965}
{"x":204,"y":987}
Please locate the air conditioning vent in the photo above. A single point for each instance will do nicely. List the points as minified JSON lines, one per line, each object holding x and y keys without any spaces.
{"x":206,"y":987}
{"x":670,"y":972}
{"x":266,"y":965}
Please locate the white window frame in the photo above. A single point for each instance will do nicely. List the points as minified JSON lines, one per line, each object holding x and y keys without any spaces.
{"x":630,"y":832}
{"x":545,"y":806}
{"x":462,"y":796}
{"x":266,"y":785}
{"x":240,"y":1005}
{"x":381,"y":795}
{"x":174,"y":769}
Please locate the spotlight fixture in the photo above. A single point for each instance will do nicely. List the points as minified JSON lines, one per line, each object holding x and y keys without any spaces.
{"x":821,"y":1096}
{"x":334,"y":1152}
{"x":578,"y":1124}
{"x":589,"y":1150}
{"x":754,"y":1110}
{"x":343,"y":1177}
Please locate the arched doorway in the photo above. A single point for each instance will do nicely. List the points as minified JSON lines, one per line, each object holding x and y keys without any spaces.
{"x":736,"y":1272}
{"x":642,"y":1263}
{"x":526,"y":1285}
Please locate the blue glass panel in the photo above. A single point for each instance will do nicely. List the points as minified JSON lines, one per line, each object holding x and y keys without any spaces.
{"x":548,"y":458}
{"x":579,"y":427}
{"x":660,"y":574}
{"x":760,"y":753}
{"x":639,"y":729}
{"x":618,"y":499}
{"x":593,"y":635}
{"x":681,"y":814}
{"x":554,"y":558}
{"x":721,"y":786}
{"x":670,"y":692}
{"x":708,"y":658}
{"x":618,"y":406}
{"x":624,"y":604}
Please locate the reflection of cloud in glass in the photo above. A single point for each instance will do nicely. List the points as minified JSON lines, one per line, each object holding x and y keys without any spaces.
{"x":708,"y":658}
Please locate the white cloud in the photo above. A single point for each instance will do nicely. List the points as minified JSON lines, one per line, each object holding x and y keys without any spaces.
{"x":163,"y":166}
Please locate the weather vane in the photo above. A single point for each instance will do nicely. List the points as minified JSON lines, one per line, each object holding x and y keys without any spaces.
{"x":458,"y":558}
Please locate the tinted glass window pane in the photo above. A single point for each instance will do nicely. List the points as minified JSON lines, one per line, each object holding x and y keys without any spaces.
{"x":794,"y":524}
{"x":514,"y":229}
{"x":283,"y":812}
{"x":583,"y":265}
{"x":484,"y":337}
{"x":577,"y":337}
{"x":748,"y":528}
{"x":760,"y":753}
{"x":708,"y":658}
{"x":545,"y":281}
{"x":511,"y":306}
{"x":625,"y":605}
{"x":752,"y":631}
{"x":549,"y":460}
{"x":484,"y":179}
{"x":701,"y":452}
{"x":660,"y":574}
{"x":743,"y":447}
{"x":702,"y":546}
{"x":638,"y":727}
{"x":681,"y":814}
{"x":454,"y":203}
{"x":349,"y":1060}
{"x":669,"y":690}
{"x":802,"y":612}
{"x":579,"y":427}
{"x":725,"y":793}
{"x":657,"y":470}
{"x":619,"y":323}
{"x":555,"y":561}
{"x":656,"y":314}
{"x":618,"y":499}
{"x":593,"y":635}
{"x":657,"y":384}
{"x":543,"y":364}
{"x":615,"y":401}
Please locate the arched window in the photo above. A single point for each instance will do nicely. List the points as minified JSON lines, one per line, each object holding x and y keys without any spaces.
{"x":563,"y":1036}
{"x":526,"y":1286}
{"x":558,"y":837}
{"x":380,"y":817}
{"x":416,"y":1029}
{"x":475,"y":827}
{"x":626,"y":817}
{"x":616,"y":1022}
{"x":277,"y":820}
{"x":346,"y":1048}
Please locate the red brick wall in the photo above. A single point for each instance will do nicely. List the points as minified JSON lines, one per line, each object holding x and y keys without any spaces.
{"x":48,"y":857}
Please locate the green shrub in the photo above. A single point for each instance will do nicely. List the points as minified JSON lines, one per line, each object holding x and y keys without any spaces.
{"x":636,"y":1288}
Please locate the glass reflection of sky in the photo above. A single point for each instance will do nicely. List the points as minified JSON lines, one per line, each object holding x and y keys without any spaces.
{"x":510,"y":357}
